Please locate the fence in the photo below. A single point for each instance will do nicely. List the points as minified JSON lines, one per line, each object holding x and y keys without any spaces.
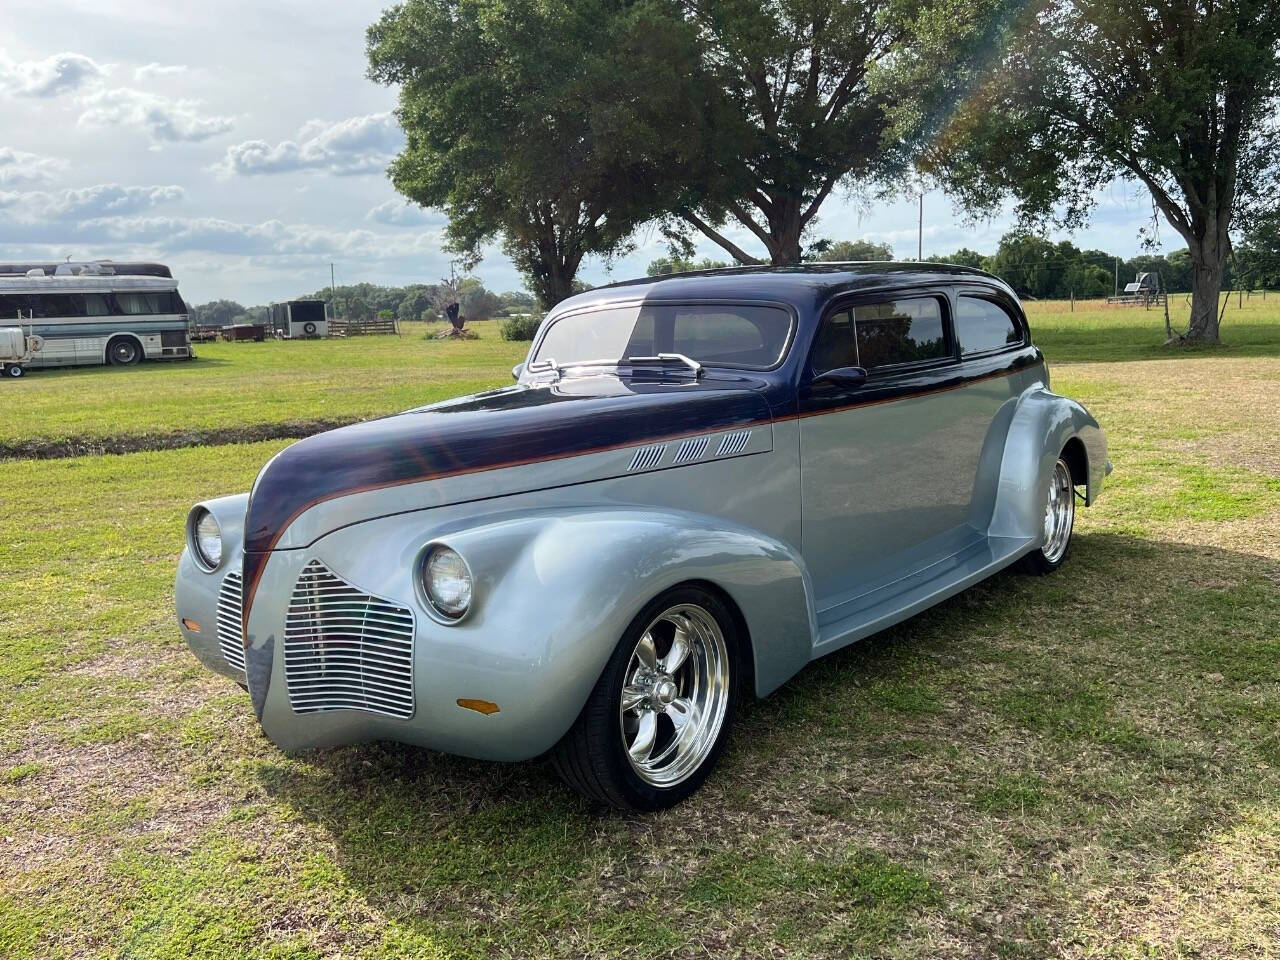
{"x":359,"y":328}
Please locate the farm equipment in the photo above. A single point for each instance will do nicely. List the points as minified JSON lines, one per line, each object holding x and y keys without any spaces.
{"x":16,"y":350}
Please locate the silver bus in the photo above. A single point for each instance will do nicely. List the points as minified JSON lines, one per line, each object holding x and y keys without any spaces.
{"x":97,"y":312}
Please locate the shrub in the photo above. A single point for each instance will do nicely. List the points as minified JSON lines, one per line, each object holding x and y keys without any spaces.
{"x":520,"y":327}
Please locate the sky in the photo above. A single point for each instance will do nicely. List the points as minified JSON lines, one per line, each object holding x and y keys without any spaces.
{"x":241,"y":143}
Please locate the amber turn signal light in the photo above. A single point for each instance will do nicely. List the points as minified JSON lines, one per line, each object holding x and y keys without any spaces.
{"x":479,"y":706}
{"x":191,"y":625}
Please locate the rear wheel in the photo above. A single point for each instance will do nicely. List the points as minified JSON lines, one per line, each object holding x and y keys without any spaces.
{"x":124,"y":352}
{"x":14,"y":370}
{"x":1059,"y":521}
{"x":659,"y":716}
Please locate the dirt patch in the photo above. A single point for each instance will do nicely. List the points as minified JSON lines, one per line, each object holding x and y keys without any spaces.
{"x":43,"y":448}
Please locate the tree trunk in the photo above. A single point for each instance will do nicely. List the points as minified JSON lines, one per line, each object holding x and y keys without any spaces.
{"x":1208,"y":262}
{"x":785,"y":228}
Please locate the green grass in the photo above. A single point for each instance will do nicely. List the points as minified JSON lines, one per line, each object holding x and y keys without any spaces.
{"x":1083,"y":765}
{"x":240,"y":385}
{"x":243,"y":387}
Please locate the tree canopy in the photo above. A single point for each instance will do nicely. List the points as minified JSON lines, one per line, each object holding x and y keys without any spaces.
{"x":854,"y":250}
{"x":545,"y":123}
{"x":1179,"y":95}
{"x":802,"y":96}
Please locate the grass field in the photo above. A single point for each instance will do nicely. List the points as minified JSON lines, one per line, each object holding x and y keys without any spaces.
{"x":1085,"y":765}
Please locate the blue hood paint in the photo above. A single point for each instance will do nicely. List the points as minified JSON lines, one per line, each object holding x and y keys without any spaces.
{"x":501,"y":428}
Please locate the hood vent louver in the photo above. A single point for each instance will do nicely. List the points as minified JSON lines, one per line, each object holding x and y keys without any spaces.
{"x":691,"y":449}
{"x":647,"y":458}
{"x":733,"y":443}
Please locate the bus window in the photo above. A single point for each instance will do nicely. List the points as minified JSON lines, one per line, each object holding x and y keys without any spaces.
{"x":134,"y":302}
{"x":96,"y":305}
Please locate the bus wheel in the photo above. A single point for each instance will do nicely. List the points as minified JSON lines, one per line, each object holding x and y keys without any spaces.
{"x":14,"y":371}
{"x":124,"y":352}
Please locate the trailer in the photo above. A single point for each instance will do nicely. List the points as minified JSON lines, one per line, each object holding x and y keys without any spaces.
{"x":17,"y":348}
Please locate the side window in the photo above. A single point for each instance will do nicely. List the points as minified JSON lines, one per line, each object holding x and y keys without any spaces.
{"x":983,"y":325}
{"x":885,"y":334}
{"x":11,"y":304}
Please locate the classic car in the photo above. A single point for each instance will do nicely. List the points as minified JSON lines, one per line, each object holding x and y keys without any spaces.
{"x":697,"y":485}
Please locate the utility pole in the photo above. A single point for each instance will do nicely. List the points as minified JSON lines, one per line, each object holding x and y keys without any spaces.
{"x":1117,"y":276}
{"x":333,"y":291}
{"x":920,"y":233}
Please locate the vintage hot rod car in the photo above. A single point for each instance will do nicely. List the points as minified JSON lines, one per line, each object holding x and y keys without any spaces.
{"x":698,"y":484}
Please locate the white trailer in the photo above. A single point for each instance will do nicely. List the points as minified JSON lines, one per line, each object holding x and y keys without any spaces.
{"x":16,"y":350}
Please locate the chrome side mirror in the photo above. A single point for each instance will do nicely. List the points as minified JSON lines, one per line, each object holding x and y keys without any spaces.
{"x":516,"y":371}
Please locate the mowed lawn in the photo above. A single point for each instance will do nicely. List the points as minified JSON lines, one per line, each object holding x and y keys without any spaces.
{"x":1084,"y":765}
{"x":239,"y":387}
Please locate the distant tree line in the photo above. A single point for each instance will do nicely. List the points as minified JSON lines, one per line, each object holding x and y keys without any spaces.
{"x":365,"y":301}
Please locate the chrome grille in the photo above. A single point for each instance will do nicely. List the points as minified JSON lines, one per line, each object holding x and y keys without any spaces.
{"x":346,"y":650}
{"x":647,"y":458}
{"x":230,"y":631}
{"x":733,"y":443}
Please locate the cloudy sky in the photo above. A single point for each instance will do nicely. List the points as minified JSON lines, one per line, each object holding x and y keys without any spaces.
{"x":241,"y":143}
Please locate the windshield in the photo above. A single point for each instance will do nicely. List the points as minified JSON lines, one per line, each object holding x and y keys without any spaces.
{"x":751,"y":336}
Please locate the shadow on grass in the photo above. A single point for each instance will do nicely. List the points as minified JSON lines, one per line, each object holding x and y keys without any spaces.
{"x":1152,"y":664}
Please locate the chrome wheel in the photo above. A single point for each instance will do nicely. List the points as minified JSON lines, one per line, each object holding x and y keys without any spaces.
{"x":1059,"y":513}
{"x":674,"y":696}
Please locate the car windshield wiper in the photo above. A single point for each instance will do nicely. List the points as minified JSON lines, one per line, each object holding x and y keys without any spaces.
{"x":679,"y":358}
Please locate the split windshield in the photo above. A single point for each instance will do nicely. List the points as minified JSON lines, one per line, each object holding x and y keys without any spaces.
{"x":748,"y":336}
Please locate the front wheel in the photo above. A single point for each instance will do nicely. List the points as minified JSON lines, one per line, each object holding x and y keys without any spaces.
{"x":659,"y":716}
{"x":1059,"y":521}
{"x":14,"y":370}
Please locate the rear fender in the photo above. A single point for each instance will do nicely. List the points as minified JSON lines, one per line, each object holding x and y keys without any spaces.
{"x":1041,"y":427}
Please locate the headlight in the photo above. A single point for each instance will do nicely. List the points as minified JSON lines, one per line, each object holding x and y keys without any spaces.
{"x":447,"y":582}
{"x":206,"y":540}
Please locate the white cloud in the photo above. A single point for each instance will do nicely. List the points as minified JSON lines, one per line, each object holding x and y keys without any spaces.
{"x":39,"y":209}
{"x":352,"y":146}
{"x":149,"y":70}
{"x":399,"y":213}
{"x":166,"y":120}
{"x":60,"y":73}
{"x":17,"y":167}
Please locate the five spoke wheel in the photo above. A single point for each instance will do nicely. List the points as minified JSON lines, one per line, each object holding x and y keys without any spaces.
{"x":676,"y":691}
{"x":658,"y":719}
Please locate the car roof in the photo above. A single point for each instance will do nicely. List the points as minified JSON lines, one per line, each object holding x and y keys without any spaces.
{"x":801,"y":284}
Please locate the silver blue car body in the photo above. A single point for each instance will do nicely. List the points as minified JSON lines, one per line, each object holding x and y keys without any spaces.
{"x":822,"y":508}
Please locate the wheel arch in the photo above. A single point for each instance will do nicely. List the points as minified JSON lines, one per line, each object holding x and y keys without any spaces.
{"x":1044,"y":427}
{"x":124,"y":335}
{"x":740,"y":623}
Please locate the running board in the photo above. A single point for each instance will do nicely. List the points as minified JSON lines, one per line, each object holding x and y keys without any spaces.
{"x":894,"y":602}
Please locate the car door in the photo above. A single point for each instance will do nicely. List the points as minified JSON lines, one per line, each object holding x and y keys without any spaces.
{"x":887,"y":461}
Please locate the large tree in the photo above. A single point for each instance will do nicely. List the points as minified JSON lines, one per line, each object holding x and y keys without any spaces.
{"x":553,"y":125}
{"x":1178,"y":95}
{"x":802,"y":96}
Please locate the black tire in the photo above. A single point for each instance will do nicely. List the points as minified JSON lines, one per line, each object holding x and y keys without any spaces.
{"x":124,"y":352}
{"x":592,"y":758}
{"x":309,"y":328}
{"x":14,"y":370}
{"x":1045,"y":559}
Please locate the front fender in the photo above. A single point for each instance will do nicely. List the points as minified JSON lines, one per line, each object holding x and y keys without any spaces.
{"x":554,"y":592}
{"x":1041,"y":427}
{"x":196,"y":590}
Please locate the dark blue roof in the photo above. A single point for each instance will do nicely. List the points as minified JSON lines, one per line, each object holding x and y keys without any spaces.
{"x":802,"y":285}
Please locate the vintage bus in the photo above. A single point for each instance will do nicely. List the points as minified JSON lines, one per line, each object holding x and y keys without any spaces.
{"x":96,"y":312}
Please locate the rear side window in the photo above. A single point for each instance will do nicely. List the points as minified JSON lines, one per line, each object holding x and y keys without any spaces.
{"x":983,"y":325}
{"x":884,"y":334}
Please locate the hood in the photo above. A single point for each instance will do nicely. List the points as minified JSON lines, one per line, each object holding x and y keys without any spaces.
{"x":486,"y":431}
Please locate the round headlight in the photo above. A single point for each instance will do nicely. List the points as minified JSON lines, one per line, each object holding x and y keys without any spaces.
{"x":447,"y":581}
{"x":207,"y":540}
